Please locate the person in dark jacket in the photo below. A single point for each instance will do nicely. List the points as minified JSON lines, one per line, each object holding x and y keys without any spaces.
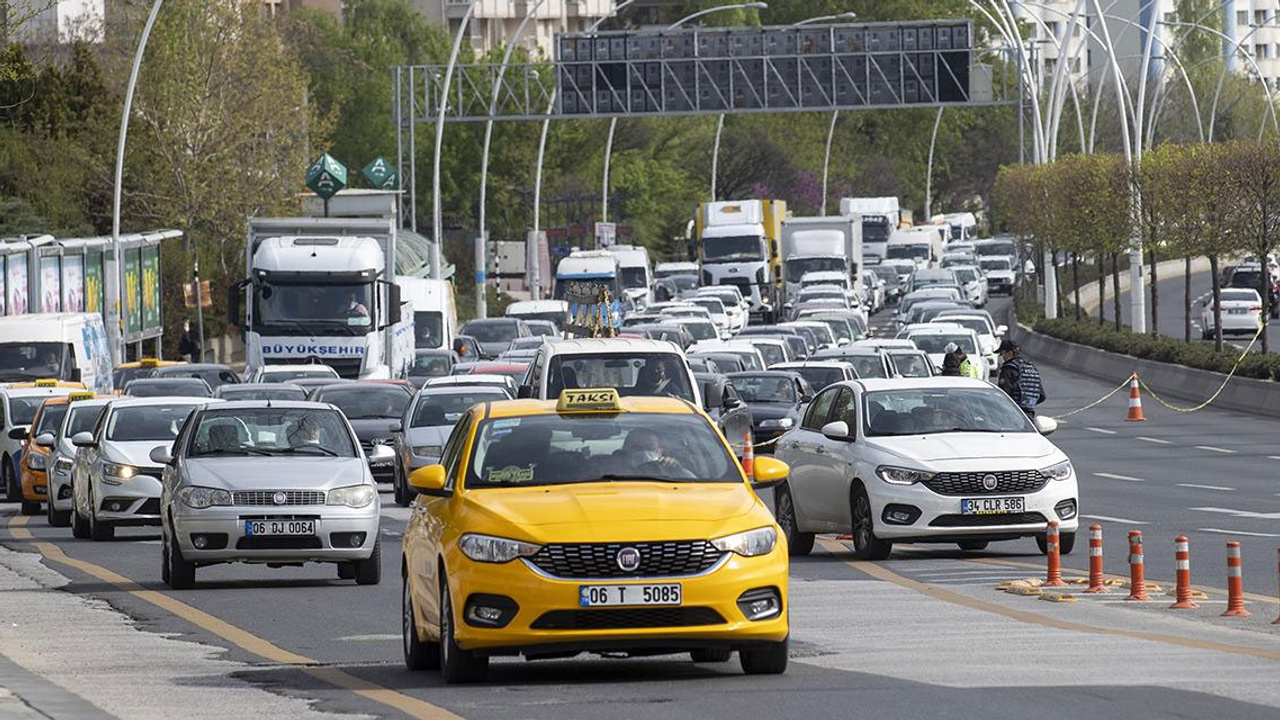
{"x":951,"y":361}
{"x":1020,"y":378}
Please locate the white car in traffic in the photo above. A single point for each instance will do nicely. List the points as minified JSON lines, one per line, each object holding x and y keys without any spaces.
{"x":923,"y":461}
{"x":1241,"y":312}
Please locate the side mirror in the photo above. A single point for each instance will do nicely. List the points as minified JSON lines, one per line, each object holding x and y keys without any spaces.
{"x":396,"y":427}
{"x":768,"y":472}
{"x":161,"y":455}
{"x":807,"y":397}
{"x":428,"y":480}
{"x":393,"y":304}
{"x":1001,"y":330}
{"x":731,"y":403}
{"x":1045,"y":425}
{"x":838,"y":430}
{"x":83,"y":439}
{"x":381,"y":455}
{"x":45,"y":440}
{"x":524,"y":392}
{"x":235,"y":293}
{"x":19,"y":432}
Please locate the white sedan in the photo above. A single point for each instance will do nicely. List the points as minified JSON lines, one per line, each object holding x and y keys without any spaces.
{"x":1241,"y":312}
{"x":922,"y":461}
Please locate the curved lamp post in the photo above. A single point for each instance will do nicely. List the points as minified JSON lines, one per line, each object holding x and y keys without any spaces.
{"x":835,"y":114}
{"x":437,"y":222}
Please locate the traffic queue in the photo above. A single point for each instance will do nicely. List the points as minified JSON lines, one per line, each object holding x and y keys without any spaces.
{"x":584,"y":473}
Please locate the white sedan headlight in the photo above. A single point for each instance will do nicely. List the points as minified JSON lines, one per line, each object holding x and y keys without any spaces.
{"x":749,"y":543}
{"x":353,"y":496}
{"x":62,"y":466}
{"x":203,"y":497}
{"x":783,"y":423}
{"x":1060,"y":471}
{"x":902,"y":476}
{"x":114,"y":473}
{"x":489,"y":549}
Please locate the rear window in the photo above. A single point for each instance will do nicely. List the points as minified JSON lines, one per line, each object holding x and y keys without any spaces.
{"x":638,"y":374}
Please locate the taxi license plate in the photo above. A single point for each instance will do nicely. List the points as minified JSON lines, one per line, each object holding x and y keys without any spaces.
{"x":992,"y":506}
{"x":257,"y":528}
{"x":621,"y":595}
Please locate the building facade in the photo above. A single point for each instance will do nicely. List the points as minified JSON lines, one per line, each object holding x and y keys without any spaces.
{"x":53,"y":22}
{"x":494,"y":22}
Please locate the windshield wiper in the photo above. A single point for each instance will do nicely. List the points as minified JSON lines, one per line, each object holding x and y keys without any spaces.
{"x":623,"y":477}
{"x":304,"y":449}
{"x":238,"y":451}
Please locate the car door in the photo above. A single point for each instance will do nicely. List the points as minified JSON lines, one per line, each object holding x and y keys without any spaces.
{"x":830,"y":483}
{"x":430,"y":518}
{"x":800,"y":449}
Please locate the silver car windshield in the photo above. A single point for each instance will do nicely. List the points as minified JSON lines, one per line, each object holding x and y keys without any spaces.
{"x":147,"y":422}
{"x":271,"y":431}
{"x":927,"y":411}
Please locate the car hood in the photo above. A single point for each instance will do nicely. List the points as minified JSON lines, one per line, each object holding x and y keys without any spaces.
{"x":989,"y":449}
{"x":494,"y":348}
{"x":132,"y":453}
{"x":428,"y":435}
{"x":615,"y":510}
{"x":373,"y":428}
{"x":770,"y":411}
{"x":284,"y":473}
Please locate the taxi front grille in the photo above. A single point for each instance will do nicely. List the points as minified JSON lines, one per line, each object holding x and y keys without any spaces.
{"x":600,"y":560}
{"x":267,"y":497}
{"x":625,"y":618}
{"x":971,"y":483}
{"x":1026,"y":518}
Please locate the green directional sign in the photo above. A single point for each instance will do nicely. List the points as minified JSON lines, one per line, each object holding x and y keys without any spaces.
{"x":380,"y":174}
{"x":326,"y":176}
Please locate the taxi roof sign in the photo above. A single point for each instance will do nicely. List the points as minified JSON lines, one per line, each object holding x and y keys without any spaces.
{"x":148,"y":362}
{"x":87,"y":395}
{"x":589,"y":399}
{"x":46,"y":382}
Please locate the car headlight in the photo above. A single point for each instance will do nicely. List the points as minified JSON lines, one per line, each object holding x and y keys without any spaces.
{"x":36,"y":461}
{"x":62,"y":466}
{"x":426,"y":450}
{"x":902,"y":476}
{"x":489,"y":549}
{"x":354,"y":496}
{"x":203,"y":497}
{"x":749,"y":543}
{"x":1060,"y":471}
{"x":783,"y":423}
{"x":113,"y":473}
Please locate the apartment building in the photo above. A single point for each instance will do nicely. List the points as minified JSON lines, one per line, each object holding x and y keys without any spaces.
{"x":494,"y":22}
{"x":52,"y":22}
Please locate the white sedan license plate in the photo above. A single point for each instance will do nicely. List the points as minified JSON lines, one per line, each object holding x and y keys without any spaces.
{"x":992,"y":506}
{"x":620,"y":595}
{"x":256,"y":528}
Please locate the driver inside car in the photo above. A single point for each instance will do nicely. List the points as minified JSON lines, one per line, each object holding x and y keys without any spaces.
{"x":642,"y":448}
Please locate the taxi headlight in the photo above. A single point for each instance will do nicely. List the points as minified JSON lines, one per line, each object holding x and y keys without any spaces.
{"x":489,"y":549}
{"x":353,"y":496}
{"x":36,"y":461}
{"x":113,"y":473}
{"x":1060,"y":471}
{"x":782,"y":423}
{"x":902,"y":476}
{"x":749,"y":543}
{"x":203,"y":497}
{"x":426,"y":450}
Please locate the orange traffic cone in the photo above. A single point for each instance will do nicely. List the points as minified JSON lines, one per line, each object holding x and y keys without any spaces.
{"x":748,"y":456}
{"x":1135,"y":401}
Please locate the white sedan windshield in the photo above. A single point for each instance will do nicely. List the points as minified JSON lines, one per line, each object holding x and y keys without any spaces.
{"x":942,"y":410}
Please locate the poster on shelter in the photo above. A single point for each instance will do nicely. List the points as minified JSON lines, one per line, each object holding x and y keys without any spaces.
{"x":50,"y":284}
{"x":17,"y":276}
{"x":73,"y":284}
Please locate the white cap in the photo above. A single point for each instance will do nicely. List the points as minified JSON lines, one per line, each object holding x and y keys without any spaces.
{"x":951,"y":347}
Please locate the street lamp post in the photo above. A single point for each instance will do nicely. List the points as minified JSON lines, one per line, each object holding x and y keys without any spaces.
{"x":437,"y":229}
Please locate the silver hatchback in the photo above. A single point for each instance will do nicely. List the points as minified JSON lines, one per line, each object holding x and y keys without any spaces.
{"x":276,"y":483}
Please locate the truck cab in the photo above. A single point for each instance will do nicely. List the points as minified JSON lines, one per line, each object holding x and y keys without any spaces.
{"x":636,"y":271}
{"x":738,"y":245}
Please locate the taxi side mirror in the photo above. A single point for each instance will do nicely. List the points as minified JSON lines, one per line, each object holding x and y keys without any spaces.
{"x":769,"y":472}
{"x":429,"y":480}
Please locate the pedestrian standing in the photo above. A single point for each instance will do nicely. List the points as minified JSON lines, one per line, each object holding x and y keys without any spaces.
{"x":188,"y":347}
{"x":1020,"y":378}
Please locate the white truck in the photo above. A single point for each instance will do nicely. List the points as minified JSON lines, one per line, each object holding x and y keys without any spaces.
{"x":880,"y":218}
{"x":922,"y":246}
{"x":322,"y":290}
{"x":435,"y":316}
{"x":637,"y":273}
{"x":738,"y":245}
{"x":818,"y":244}
{"x":963,"y":226}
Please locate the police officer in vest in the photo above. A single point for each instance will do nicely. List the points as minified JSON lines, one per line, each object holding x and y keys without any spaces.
{"x":1020,"y":378}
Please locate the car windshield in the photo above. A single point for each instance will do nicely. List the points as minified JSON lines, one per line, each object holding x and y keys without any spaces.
{"x":159,"y":423}
{"x":284,"y":376}
{"x":912,"y":365}
{"x":700,"y":329}
{"x":936,"y":343}
{"x":431,"y":365}
{"x":966,"y":276}
{"x":839,"y":328}
{"x":819,"y":377}
{"x":773,"y":354}
{"x":735,"y":247}
{"x":631,"y":374}
{"x":428,"y":329}
{"x":799,"y":267}
{"x":1246,"y":278}
{"x":975,"y":324}
{"x":684,"y":282}
{"x":82,"y":420}
{"x":216,"y":375}
{"x":942,"y":410}
{"x":367,"y":402}
{"x":994,"y":263}
{"x":996,"y":248}
{"x":446,"y":408}
{"x":713,"y":305}
{"x":908,"y":252}
{"x":121,"y":376}
{"x":271,"y":431}
{"x":339,"y":304}
{"x":161,"y":387}
{"x":231,"y":392}
{"x":491,"y":331}
{"x":50,"y":419}
{"x":634,"y":277}
{"x":624,"y":447}
{"x":21,"y":361}
{"x":766,"y":389}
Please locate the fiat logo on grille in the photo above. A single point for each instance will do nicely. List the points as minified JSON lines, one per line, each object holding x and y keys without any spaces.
{"x":628,"y":559}
{"x":989,"y":482}
{"x":279,"y":498}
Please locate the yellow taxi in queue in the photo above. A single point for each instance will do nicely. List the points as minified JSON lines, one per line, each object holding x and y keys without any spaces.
{"x":34,"y":465}
{"x":592,"y":524}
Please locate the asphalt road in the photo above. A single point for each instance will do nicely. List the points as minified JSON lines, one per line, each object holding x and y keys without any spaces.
{"x":922,"y":634}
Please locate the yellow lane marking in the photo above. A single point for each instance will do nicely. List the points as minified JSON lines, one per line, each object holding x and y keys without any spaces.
{"x":881,"y":573}
{"x":242,"y":639}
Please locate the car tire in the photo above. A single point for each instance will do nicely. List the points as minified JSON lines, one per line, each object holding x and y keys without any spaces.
{"x":866,"y":546}
{"x":769,"y":659}
{"x":56,"y":518}
{"x":1066,"y":542}
{"x":456,"y":665}
{"x":973,"y":545}
{"x":12,"y":493}
{"x":418,"y":655}
{"x":182,"y":574}
{"x":711,"y":655}
{"x":369,"y":570}
{"x":98,"y":529}
{"x":398,"y":490}
{"x":30,"y":507}
{"x":346,"y":571}
{"x":79,"y":525}
{"x":799,"y":543}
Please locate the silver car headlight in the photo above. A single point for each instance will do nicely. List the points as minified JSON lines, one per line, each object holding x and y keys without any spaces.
{"x":782,"y":423}
{"x":62,"y":466}
{"x":353,"y":496}
{"x":1060,"y":471}
{"x":749,"y":543}
{"x":203,"y":497}
{"x":115,"y":473}
{"x":490,"y":549}
{"x":36,"y":461}
{"x":426,"y":450}
{"x":902,"y":476}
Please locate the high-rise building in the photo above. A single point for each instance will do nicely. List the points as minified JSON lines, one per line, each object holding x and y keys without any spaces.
{"x":51,"y":22}
{"x":494,"y":22}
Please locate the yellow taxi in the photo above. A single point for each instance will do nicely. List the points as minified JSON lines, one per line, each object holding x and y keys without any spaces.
{"x":35,"y":457}
{"x":592,"y":524}
{"x":143,"y":368}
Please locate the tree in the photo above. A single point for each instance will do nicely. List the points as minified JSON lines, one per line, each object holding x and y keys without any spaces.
{"x":1252,"y":172}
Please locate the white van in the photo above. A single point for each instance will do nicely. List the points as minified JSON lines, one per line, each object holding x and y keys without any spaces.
{"x":435,"y":315}
{"x":63,"y":346}
{"x":637,"y":273}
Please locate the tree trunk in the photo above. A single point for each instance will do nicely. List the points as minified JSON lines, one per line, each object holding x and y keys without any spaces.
{"x":1264,"y":291}
{"x":1075,"y":281}
{"x":1186,"y":304}
{"x":1115,"y":288}
{"x":1102,"y":290}
{"x":1217,"y":306}
{"x":1155,"y":296}
{"x":1057,"y":281}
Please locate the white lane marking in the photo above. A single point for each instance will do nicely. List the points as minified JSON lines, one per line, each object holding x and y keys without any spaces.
{"x":1104,"y":431}
{"x":1206,"y":487}
{"x":1240,"y":513}
{"x":1105,"y":518}
{"x":1211,"y":448}
{"x":1112,"y":476}
{"x":1157,"y":441}
{"x":1239,"y":532}
{"x":1273,"y":457}
{"x":367,"y":638}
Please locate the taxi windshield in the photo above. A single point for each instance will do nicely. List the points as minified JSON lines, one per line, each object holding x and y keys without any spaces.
{"x":82,"y":420}
{"x":580,"y":448}
{"x":942,"y":410}
{"x":639,"y":374}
